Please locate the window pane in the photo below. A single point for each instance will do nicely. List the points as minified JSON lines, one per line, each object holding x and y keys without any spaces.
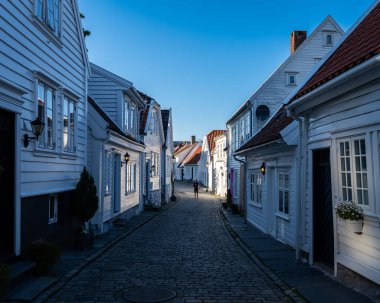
{"x":359,"y":180}
{"x":348,"y":164}
{"x":343,"y":179}
{"x":50,"y":14}
{"x":349,"y":194}
{"x":49,"y":116}
{"x":342,"y":164}
{"x":341,"y":147}
{"x":286,"y":177}
{"x":364,"y":163}
{"x":360,"y":199}
{"x":344,"y":191}
{"x":362,"y":146}
{"x":39,"y":9}
{"x":349,"y":180}
{"x":281,"y":201}
{"x":356,"y":144}
{"x":72,"y":129}
{"x":41,"y":110}
{"x":286,"y":202}
{"x":56,"y":16}
{"x":347,"y":148}
{"x":357,"y":164}
{"x":365,"y":182}
{"x":65,"y":124}
{"x":365,"y":197}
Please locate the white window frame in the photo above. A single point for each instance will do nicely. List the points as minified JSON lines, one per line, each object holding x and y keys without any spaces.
{"x":255,"y":188}
{"x":54,"y":218}
{"x":130,"y":177}
{"x":247,"y":126}
{"x":154,"y":160}
{"x":72,"y":147}
{"x":43,"y":16}
{"x":326,"y":42}
{"x":281,"y":193}
{"x":235,"y":184}
{"x":43,"y":138}
{"x":109,"y":166}
{"x":288,"y":78}
{"x":353,"y":171}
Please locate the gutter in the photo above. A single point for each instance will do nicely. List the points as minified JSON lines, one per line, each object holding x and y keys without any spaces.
{"x":367,"y":65}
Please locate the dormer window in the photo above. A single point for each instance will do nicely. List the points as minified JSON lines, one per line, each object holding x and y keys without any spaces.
{"x":48,"y":12}
{"x":291,"y":79}
{"x":329,"y":39}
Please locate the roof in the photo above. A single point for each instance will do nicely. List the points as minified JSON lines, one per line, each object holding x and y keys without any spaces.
{"x":182,"y":148}
{"x":270,"y":132}
{"x":211,"y":136}
{"x":195,"y":157}
{"x":360,"y":45}
{"x":190,"y":148}
{"x":111,"y":125}
{"x":165,"y":114}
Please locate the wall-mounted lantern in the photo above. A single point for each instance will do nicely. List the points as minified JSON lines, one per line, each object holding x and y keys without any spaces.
{"x":152,"y":169}
{"x":263,"y":168}
{"x":37,"y":129}
{"x":126,"y":159}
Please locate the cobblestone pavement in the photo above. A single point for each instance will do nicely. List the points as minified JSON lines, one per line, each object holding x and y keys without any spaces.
{"x":186,"y":249}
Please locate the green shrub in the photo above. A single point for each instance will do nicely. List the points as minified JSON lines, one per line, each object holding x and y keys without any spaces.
{"x":5,"y":279}
{"x":45,"y":254}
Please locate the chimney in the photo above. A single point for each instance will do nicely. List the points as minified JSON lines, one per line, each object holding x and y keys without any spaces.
{"x":296,"y":39}
{"x":192,"y":139}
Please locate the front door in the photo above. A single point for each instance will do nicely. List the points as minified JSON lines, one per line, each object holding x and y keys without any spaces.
{"x":323,"y":232}
{"x":116,"y":183}
{"x":7,"y":165}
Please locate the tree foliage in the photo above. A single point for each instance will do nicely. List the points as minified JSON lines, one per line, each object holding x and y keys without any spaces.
{"x":86,"y":198}
{"x":86,"y":32}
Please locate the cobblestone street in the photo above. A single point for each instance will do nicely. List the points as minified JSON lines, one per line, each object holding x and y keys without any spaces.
{"x":186,"y":249}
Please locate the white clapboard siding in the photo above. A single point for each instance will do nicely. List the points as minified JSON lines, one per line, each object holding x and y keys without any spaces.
{"x":25,"y":49}
{"x":355,"y":113}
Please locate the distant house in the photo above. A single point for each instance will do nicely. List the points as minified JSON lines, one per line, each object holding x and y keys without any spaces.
{"x":167,"y":155}
{"x":191,"y":164}
{"x":206,"y":166}
{"x":180,"y":153}
{"x":114,"y":160}
{"x":306,"y":52}
{"x":339,"y":112}
{"x":152,"y":134}
{"x":220,"y":165}
{"x":44,"y":71}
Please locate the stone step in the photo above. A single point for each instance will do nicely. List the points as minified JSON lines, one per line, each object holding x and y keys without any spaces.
{"x":20,"y":268}
{"x":29,"y":289}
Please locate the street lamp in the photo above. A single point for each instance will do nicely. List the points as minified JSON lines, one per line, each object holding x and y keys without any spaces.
{"x":126,"y":159}
{"x":37,"y":129}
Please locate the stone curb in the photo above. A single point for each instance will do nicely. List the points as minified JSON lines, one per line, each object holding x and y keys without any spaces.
{"x":90,"y":259}
{"x":287,"y":290}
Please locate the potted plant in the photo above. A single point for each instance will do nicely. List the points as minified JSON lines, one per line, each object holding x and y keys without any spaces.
{"x":85,"y":207}
{"x":352,"y":215}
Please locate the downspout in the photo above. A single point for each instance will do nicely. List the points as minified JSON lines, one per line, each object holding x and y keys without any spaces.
{"x":298,"y":184}
{"x":244,"y":195}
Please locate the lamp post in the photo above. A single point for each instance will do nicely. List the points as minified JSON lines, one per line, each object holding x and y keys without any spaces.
{"x":126,"y":159}
{"x":37,"y":129}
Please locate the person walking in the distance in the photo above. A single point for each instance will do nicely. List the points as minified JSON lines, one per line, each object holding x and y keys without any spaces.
{"x":196,"y":188}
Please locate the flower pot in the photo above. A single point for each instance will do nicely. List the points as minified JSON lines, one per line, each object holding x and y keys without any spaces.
{"x":354,"y":226}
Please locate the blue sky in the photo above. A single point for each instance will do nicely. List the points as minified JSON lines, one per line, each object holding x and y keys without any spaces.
{"x":202,"y":58}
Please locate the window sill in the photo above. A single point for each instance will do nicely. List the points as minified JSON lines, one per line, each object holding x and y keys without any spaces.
{"x":255,"y":204}
{"x":283,"y":216}
{"x":39,"y":152}
{"x":47,"y":32}
{"x":67,"y":155}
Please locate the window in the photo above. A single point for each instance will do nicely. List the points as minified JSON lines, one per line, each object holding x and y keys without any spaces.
{"x":329,"y":40}
{"x":69,"y":124}
{"x":130,"y":177}
{"x":46,"y":113}
{"x":109,"y":173}
{"x":291,"y":79}
{"x":235,"y":137}
{"x":48,"y":11}
{"x":255,"y":180}
{"x":153,"y":125}
{"x":283,"y":193}
{"x":242,"y":131}
{"x":53,"y":208}
{"x":353,"y":171}
{"x":235,"y":187}
{"x":126,"y":115}
{"x":247,"y":127}
{"x":154,"y":169}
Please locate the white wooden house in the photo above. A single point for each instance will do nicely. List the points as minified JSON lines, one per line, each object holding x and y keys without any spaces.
{"x":220,"y":165}
{"x":114,"y":160}
{"x":339,"y":112}
{"x":43,"y":74}
{"x":114,"y":113}
{"x":306,"y":52}
{"x":191,"y":164}
{"x":181,"y":152}
{"x":167,"y":155}
{"x":206,"y":165}
{"x":152,"y":132}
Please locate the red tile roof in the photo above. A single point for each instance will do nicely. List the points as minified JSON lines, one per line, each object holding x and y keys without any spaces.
{"x":270,"y":132}
{"x":360,"y":45}
{"x":189,"y":149}
{"x":195,"y":157}
{"x":211,"y":136}
{"x":182,"y":148}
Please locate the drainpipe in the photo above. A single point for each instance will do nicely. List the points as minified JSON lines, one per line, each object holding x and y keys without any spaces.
{"x":298,"y":183}
{"x":244,"y":195}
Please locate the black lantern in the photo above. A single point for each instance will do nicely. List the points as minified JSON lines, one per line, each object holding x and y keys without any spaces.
{"x":152,"y":169}
{"x":126,"y":159}
{"x":37,"y":129}
{"x":263,"y":168}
